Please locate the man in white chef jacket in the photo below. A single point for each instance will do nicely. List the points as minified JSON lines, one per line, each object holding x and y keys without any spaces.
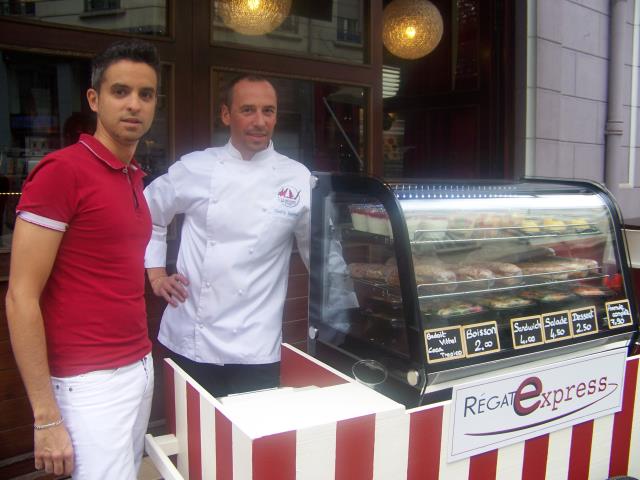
{"x":242,"y":205}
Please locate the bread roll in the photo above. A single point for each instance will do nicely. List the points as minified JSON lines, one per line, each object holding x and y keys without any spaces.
{"x":367,"y":271}
{"x":506,"y":274}
{"x":562,"y":268}
{"x":391,"y":275}
{"x":435,"y":278}
{"x":474,"y":277}
{"x":551,"y":270}
{"x":473,"y":272}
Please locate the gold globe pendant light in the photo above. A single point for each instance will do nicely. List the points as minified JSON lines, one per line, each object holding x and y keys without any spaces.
{"x":253,"y":17}
{"x":411,"y":28}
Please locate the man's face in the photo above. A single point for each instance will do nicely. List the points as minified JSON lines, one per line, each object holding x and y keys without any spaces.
{"x":125,"y":103}
{"x":251,"y":116}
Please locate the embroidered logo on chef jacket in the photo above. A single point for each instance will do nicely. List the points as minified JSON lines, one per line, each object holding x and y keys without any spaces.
{"x":289,"y":196}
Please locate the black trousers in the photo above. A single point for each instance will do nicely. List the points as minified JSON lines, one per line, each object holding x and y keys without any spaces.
{"x":222,"y":380}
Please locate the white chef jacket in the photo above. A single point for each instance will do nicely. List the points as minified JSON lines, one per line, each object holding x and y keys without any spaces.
{"x":235,"y":249}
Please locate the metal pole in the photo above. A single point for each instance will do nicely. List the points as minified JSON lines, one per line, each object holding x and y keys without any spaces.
{"x":615,"y":109}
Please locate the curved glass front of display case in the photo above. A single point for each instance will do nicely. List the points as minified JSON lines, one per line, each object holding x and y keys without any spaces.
{"x":453,"y":277}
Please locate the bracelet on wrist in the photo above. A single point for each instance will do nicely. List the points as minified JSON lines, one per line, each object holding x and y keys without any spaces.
{"x":44,"y":426}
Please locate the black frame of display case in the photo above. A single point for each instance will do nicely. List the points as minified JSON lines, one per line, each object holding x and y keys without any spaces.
{"x":322,"y":344}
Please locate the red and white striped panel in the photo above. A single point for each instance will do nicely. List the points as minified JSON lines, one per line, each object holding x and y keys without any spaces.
{"x":388,"y":446}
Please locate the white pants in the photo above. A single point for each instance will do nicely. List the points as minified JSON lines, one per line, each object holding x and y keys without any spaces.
{"x":106,"y":413}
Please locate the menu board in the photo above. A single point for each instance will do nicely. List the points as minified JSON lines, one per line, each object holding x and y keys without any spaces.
{"x":527,"y":331}
{"x":584,"y":321}
{"x":481,"y":338}
{"x":444,"y":344}
{"x":619,"y":314}
{"x":556,"y":326}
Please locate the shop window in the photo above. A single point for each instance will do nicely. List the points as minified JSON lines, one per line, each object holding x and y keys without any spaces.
{"x":320,"y":125}
{"x":444,"y":113}
{"x":328,"y":29}
{"x":144,"y":17}
{"x":44,"y":108}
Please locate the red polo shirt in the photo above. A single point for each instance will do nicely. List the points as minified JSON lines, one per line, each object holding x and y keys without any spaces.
{"x":93,"y":303}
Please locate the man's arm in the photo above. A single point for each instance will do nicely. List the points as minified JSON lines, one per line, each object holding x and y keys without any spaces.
{"x":163,"y":200}
{"x":33,"y":253}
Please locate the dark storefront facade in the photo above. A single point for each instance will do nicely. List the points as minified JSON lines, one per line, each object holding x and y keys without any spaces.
{"x":345,"y":104}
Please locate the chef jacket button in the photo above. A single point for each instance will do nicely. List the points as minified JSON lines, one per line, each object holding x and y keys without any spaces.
{"x":235,"y":330}
{"x":207,"y":284}
{"x":240,"y":292}
{"x":251,"y":250}
{"x":214,"y":200}
{"x":264,"y":209}
{"x":212,"y":242}
{"x":221,"y":162}
{"x":200,"y":325}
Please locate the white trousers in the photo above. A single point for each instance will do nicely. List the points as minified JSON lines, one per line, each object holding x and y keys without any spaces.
{"x":106,"y":413}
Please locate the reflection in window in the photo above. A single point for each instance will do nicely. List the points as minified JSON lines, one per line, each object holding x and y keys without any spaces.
{"x":329,"y":29}
{"x":97,"y":5}
{"x":393,"y":147}
{"x":44,"y":108}
{"x":153,"y":153}
{"x":141,"y":17}
{"x":349,"y":30}
{"x":390,"y":81}
{"x":320,"y":125}
{"x":291,"y":24}
{"x":466,"y":45}
{"x":26,"y":9}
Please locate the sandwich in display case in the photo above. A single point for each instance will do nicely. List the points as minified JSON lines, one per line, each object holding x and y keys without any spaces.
{"x":416,"y":286}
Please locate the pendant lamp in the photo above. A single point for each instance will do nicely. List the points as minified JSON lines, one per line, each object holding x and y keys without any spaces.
{"x":253,"y":17}
{"x":411,"y":28}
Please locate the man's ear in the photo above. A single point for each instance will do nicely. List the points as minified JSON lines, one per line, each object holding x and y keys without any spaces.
{"x":225,"y":115}
{"x":92,"y":98}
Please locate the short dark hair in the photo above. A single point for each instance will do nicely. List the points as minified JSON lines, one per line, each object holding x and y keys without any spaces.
{"x":227,"y":97}
{"x":134,"y":50}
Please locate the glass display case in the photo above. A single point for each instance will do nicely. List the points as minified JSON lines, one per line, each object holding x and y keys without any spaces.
{"x":418,"y":285}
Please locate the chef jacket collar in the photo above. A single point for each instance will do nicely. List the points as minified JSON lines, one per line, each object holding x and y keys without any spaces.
{"x":101,"y":152}
{"x":257,"y":157}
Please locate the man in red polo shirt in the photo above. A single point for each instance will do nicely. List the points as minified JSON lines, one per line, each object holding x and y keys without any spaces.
{"x":75,"y":303}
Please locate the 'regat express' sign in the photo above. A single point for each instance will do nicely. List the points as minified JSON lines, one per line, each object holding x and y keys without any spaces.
{"x":491,"y":413}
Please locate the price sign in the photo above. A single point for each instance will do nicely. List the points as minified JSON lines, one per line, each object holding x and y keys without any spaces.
{"x":527,"y":331}
{"x":481,"y":338}
{"x":556,"y":326}
{"x":584,"y":321}
{"x":619,"y":314}
{"x":444,"y":344}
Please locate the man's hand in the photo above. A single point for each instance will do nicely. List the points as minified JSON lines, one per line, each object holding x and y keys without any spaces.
{"x":171,"y":288}
{"x":53,"y":451}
